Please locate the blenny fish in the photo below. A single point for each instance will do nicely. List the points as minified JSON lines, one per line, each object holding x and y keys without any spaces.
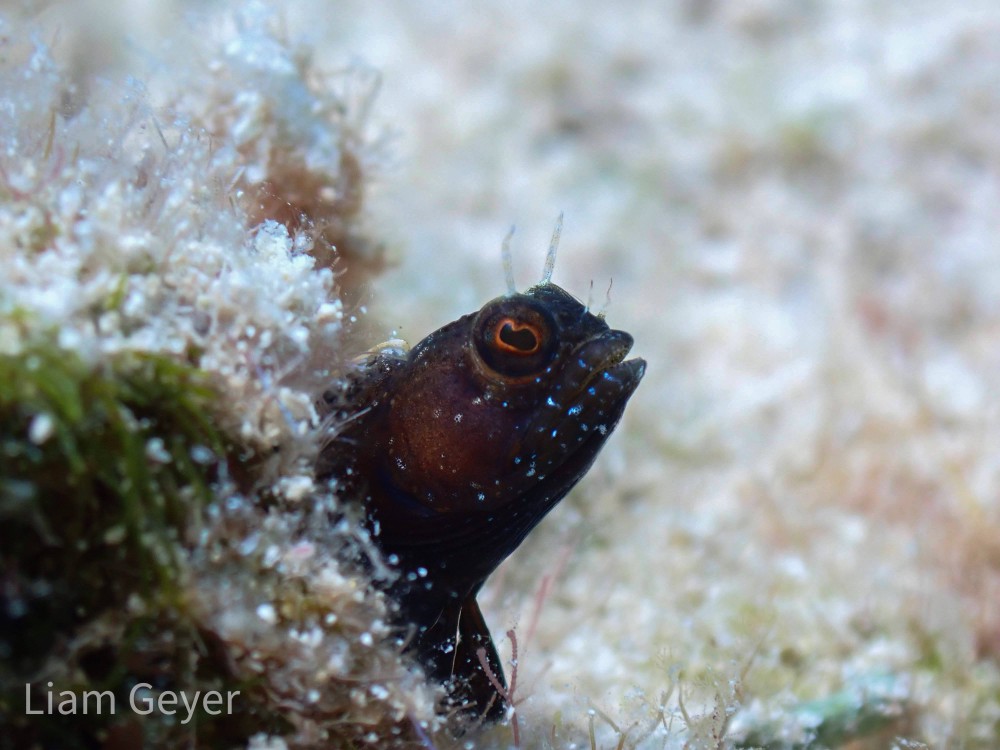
{"x":462,"y":444}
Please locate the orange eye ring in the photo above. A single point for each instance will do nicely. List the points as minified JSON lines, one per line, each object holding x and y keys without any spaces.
{"x":513,"y":336}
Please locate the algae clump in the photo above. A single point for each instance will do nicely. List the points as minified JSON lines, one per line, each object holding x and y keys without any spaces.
{"x":104,"y":471}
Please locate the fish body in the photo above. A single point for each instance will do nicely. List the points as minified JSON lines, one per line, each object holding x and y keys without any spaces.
{"x":461,"y":446}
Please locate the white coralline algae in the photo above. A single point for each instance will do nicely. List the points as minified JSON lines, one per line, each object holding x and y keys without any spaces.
{"x":202,"y":231}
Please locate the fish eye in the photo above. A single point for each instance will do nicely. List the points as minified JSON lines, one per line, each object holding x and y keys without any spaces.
{"x":515,"y":338}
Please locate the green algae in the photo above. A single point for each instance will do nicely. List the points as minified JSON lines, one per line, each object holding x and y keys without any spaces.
{"x":105,"y":470}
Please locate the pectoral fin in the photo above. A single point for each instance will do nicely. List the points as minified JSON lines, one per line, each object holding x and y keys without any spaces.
{"x":450,"y":651}
{"x":473,"y":635}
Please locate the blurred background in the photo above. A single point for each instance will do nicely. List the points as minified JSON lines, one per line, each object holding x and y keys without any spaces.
{"x":797,"y":528}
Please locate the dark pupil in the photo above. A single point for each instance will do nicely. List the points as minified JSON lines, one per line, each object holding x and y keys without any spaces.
{"x":522,"y":339}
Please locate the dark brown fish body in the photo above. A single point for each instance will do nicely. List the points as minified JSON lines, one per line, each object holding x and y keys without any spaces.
{"x":465,"y":443}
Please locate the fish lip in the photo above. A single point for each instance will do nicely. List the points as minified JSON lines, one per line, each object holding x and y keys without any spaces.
{"x":615,"y":343}
{"x":602,"y":357}
{"x":630,"y":371}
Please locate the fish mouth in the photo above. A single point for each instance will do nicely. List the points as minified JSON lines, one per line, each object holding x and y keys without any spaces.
{"x":598,"y":371}
{"x":583,"y":405}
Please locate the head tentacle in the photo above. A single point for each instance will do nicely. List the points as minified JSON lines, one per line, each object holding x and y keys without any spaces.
{"x":550,"y":256}
{"x":607,"y":300}
{"x":508,"y":263}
